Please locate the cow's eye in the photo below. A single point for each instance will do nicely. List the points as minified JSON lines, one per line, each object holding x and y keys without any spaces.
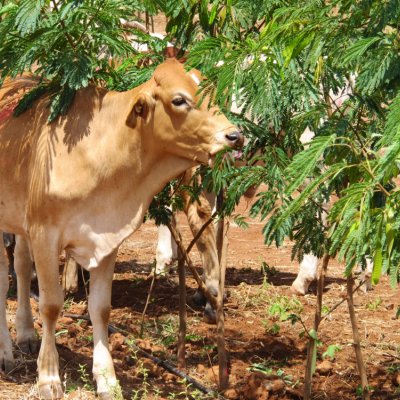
{"x":179,"y":101}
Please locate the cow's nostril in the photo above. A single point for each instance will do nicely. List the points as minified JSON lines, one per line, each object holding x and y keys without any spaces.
{"x":235,"y":137}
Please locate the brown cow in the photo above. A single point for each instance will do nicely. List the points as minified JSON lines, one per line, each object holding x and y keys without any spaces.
{"x":84,"y":182}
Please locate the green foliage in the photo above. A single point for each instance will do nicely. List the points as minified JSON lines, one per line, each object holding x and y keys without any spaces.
{"x":284,"y":65}
{"x":331,"y":351}
{"x":282,"y":307}
{"x":69,"y":44}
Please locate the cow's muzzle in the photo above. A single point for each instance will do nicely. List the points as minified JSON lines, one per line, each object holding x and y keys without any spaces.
{"x":235,"y":139}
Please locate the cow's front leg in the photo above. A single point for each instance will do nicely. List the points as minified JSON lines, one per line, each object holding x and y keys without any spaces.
{"x":166,"y":252}
{"x":45,"y":253}
{"x":6,"y":356}
{"x":26,"y":337}
{"x":99,"y":310}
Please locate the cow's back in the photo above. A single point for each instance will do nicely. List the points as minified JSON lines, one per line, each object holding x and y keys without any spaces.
{"x":41,"y":162}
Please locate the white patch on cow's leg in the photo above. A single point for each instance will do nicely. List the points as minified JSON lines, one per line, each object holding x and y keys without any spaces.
{"x":366,"y":274}
{"x":307,"y":274}
{"x":26,"y":337}
{"x":99,"y":311}
{"x":6,"y":356}
{"x":45,"y":253}
{"x":166,"y":252}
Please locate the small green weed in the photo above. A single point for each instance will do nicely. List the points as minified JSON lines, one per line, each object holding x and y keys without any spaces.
{"x":271,"y":327}
{"x":268,"y":270}
{"x":270,"y":367}
{"x":61,"y":332}
{"x":88,"y":338}
{"x":167,"y":330}
{"x":331,"y":351}
{"x":283,"y":306}
{"x":143,"y":392}
{"x":187,"y":393}
{"x":85,"y":378}
{"x":359,"y":390}
{"x":68,"y":303}
{"x":325,"y":309}
{"x":374,"y":304}
{"x":192,"y":337}
{"x":393,"y":369}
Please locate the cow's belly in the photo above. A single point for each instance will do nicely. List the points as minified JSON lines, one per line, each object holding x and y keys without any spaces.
{"x":91,"y":238}
{"x":89,"y":248}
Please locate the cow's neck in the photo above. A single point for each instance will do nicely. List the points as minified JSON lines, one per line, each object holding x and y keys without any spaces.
{"x":156,"y":172}
{"x":129,"y":170}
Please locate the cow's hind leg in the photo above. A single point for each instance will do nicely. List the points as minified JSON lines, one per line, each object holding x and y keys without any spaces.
{"x":70,"y":275}
{"x":45,"y":253}
{"x":306,"y":275}
{"x":99,"y":310}
{"x":26,"y":337}
{"x":9,"y":244}
{"x":6,"y":356}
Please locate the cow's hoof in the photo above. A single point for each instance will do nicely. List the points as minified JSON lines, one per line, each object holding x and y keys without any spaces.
{"x":210,"y":315}
{"x":105,"y":396}
{"x":297,"y":291}
{"x":300,"y":288}
{"x":7,"y":363}
{"x":51,"y":391}
{"x":198,"y":299}
{"x":29,"y":346}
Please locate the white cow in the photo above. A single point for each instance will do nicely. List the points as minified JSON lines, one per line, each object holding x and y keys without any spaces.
{"x":309,"y":265}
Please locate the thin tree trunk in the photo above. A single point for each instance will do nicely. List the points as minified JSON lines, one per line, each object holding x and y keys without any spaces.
{"x":222,"y":247}
{"x":222,"y":353}
{"x":356,"y":339}
{"x":152,"y":23}
{"x":312,"y":348}
{"x":153,"y":280}
{"x":182,"y":312}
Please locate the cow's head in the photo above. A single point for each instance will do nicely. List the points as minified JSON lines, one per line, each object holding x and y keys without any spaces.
{"x":168,"y":111}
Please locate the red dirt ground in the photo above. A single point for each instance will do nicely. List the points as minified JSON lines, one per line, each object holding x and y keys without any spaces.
{"x":257,"y":335}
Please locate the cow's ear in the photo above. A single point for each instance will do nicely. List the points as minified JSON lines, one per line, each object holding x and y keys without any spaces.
{"x":142,"y":106}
